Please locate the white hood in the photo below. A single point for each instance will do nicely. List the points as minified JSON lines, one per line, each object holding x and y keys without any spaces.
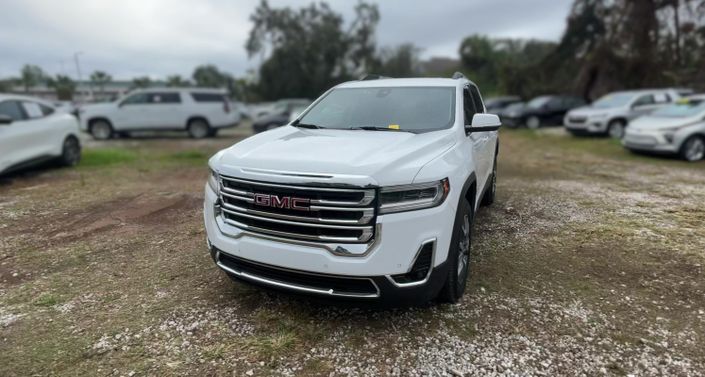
{"x":385,"y":157}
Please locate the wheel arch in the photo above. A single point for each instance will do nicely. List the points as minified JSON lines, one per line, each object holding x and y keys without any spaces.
{"x":197,"y":117}
{"x":469,"y":191}
{"x":94,"y":119}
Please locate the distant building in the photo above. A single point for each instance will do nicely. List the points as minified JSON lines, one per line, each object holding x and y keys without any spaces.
{"x":85,"y":91}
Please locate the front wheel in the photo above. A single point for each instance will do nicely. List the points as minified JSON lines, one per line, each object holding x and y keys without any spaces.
{"x":616,"y":129}
{"x":101,"y":130}
{"x":693,"y":149}
{"x":458,"y":256}
{"x":71,"y":152}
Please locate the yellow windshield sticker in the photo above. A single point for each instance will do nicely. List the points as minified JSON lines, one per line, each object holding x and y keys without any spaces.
{"x":394,"y":126}
{"x":683,"y":101}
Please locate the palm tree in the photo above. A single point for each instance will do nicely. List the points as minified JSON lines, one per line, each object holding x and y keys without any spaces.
{"x":64,"y":87}
{"x":30,"y":76}
{"x":99,"y":79}
{"x":141,"y":82}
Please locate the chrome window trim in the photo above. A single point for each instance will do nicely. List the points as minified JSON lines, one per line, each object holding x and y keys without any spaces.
{"x":297,"y":287}
{"x":430,"y":269}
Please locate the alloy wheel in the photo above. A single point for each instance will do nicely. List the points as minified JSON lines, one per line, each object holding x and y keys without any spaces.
{"x":695,"y":149}
{"x":616,"y":130}
{"x":101,"y":130}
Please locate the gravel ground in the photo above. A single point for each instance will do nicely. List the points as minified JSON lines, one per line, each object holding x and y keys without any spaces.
{"x":589,"y":263}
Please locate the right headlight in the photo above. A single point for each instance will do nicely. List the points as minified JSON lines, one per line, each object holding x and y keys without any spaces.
{"x":403,"y":198}
{"x":214,"y":181}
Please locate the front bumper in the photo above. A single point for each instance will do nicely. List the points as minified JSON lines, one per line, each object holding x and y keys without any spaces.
{"x":394,"y":250}
{"x":654,"y":142}
{"x":587,"y":127}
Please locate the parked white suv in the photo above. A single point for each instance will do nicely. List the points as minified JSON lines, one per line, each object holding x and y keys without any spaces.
{"x":32,"y":132}
{"x":201,"y":112}
{"x":370,"y":193}
{"x":611,"y":114}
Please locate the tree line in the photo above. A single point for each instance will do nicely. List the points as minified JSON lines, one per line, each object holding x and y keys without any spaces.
{"x":607,"y":45}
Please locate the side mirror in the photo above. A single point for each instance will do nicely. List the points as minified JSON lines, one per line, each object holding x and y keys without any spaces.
{"x":483,"y":123}
{"x":5,"y":120}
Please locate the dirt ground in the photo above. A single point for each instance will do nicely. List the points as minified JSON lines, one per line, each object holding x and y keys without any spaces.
{"x":589,"y":263}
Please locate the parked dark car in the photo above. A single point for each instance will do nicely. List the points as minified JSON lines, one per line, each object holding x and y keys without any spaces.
{"x":542,"y":111}
{"x":279,"y":115}
{"x":496,"y":104}
{"x":503,"y":113}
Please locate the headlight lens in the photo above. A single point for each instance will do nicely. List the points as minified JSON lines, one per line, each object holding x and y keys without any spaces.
{"x":403,"y":198}
{"x":214,"y":181}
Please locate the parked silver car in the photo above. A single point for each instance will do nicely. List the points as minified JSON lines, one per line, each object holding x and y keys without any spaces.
{"x":611,"y":114}
{"x":676,"y":129}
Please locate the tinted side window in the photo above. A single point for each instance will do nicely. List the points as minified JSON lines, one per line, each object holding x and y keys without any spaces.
{"x":662,"y":98}
{"x":468,"y":106}
{"x":157,"y":98}
{"x":207,"y":97}
{"x":136,"y":99}
{"x":477,"y":99}
{"x":12,"y":109}
{"x":644,"y":100}
{"x":46,"y":110}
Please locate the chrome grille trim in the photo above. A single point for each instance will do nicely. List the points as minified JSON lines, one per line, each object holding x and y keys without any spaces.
{"x":368,"y":213}
{"x":348,"y":217}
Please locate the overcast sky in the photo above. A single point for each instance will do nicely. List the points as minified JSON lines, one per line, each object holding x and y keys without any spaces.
{"x":130,"y":38}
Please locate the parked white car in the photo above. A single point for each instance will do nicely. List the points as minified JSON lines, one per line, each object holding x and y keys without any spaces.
{"x":201,"y":112}
{"x":32,"y":132}
{"x":676,"y":129}
{"x":612,"y":113}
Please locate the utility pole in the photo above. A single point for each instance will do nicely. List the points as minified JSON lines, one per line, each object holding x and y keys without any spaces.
{"x":78,"y":70}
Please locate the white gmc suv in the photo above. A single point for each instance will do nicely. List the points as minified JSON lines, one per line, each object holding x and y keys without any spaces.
{"x":370,"y":193}
{"x":199,"y":111}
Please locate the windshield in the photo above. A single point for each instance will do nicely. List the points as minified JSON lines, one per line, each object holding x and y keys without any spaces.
{"x":684,"y":109}
{"x":614,"y":100}
{"x":413,"y":109}
{"x":538,"y":102}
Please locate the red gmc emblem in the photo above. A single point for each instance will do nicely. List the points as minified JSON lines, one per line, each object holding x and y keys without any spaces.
{"x":287,"y":202}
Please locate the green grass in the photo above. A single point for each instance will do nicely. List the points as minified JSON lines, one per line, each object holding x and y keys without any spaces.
{"x":107,"y":156}
{"x":195,"y":157}
{"x":46,"y":300}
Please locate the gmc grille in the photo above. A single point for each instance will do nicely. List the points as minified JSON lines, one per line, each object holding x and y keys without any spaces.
{"x":323,"y":214}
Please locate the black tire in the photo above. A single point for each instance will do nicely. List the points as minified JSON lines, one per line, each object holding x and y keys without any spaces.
{"x":71,"y":152}
{"x":533,"y":122}
{"x":198,"y":128}
{"x":458,"y":256}
{"x":101,"y":129}
{"x":491,"y":193}
{"x":693,"y":149}
{"x":615,"y":129}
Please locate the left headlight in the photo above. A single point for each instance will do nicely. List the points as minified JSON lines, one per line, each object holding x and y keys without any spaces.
{"x":403,"y":198}
{"x":214,"y":181}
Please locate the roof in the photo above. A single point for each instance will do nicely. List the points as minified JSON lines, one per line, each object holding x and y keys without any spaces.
{"x":402,"y":82}
{"x":9,"y":96}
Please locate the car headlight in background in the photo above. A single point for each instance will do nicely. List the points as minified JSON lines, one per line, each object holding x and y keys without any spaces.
{"x":394,"y":199}
{"x":214,"y":181}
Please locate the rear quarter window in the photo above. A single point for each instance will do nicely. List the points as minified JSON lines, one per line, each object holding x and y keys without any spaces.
{"x":208,"y":97}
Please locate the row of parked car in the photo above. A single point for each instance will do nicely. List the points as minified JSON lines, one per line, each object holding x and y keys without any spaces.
{"x":661,"y":121}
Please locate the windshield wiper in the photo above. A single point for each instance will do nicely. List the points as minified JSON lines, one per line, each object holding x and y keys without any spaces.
{"x":375,"y":128}
{"x":296,"y":123}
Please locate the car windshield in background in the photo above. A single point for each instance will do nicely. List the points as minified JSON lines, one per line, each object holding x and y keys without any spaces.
{"x":538,"y":102}
{"x":412,"y":109}
{"x":614,"y":100}
{"x":682,"y":109}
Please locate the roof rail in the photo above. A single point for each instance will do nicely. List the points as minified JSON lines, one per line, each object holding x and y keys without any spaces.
{"x":372,"y":76}
{"x":458,"y":75}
